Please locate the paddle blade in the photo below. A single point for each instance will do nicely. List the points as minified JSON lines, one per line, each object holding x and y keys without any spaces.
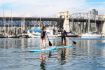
{"x":74,"y":42}
{"x":50,"y":44}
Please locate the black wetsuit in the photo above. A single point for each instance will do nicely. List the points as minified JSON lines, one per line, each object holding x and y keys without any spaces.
{"x":43,"y":34}
{"x":63,"y":35}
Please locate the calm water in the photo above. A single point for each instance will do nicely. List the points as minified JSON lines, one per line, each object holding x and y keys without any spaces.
{"x":87,"y":54}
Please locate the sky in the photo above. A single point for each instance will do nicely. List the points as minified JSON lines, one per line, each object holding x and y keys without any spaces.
{"x":48,"y":7}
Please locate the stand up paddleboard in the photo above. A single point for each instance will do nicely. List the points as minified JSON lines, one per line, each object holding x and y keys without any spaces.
{"x":52,"y":48}
{"x":43,"y":50}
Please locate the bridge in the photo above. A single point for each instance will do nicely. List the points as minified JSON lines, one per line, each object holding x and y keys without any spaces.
{"x":78,"y":24}
{"x":47,"y":19}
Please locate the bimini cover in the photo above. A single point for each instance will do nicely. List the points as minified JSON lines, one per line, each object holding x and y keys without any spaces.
{"x":35,"y":29}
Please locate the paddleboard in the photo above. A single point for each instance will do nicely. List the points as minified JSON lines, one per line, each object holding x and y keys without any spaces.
{"x":68,"y":46}
{"x":52,"y":48}
{"x":44,"y":50}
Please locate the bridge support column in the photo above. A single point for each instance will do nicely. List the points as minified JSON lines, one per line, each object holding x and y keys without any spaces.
{"x":103,"y":29}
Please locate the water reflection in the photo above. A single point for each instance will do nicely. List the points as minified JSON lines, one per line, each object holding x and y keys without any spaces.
{"x":64,"y":53}
{"x":61,"y":56}
{"x":42,"y":61}
{"x":84,"y":55}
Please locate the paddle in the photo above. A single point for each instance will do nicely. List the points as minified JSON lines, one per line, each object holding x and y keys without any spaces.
{"x":50,"y":44}
{"x":74,"y":42}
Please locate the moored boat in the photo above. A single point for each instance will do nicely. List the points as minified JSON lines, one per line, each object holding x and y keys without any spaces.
{"x":91,"y":35}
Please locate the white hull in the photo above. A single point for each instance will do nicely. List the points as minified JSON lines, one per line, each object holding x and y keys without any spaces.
{"x":33,"y":35}
{"x":88,"y":35}
{"x":37,"y":34}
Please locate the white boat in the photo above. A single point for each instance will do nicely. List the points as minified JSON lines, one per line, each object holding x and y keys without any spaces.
{"x":36,"y":32}
{"x":33,"y":34}
{"x":49,"y":32}
{"x":91,"y":35}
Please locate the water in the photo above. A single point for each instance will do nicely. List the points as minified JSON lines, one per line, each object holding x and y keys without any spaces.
{"x":87,"y":54}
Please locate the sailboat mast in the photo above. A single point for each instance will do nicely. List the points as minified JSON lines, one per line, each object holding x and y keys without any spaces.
{"x":40,"y":22}
{"x":4,"y":23}
{"x":89,"y":22}
{"x":12,"y":23}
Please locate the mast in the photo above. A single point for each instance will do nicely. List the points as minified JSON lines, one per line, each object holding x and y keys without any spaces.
{"x":40,"y":23}
{"x":12,"y":26}
{"x":4,"y":29}
{"x":89,"y":22}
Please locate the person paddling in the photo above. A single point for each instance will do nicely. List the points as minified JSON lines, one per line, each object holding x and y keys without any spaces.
{"x":43,"y":46}
{"x":63,"y":37}
{"x":43,"y":38}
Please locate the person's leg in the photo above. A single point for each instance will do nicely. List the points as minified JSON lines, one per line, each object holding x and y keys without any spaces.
{"x":44,"y":43}
{"x":64,"y":40}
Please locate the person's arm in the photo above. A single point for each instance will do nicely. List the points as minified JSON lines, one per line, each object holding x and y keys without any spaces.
{"x":66,"y":33}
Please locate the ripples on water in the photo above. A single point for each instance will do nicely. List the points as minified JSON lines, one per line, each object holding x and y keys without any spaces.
{"x":85,"y":55}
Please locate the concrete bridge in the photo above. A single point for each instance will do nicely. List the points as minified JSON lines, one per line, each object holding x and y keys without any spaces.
{"x":79,"y":25}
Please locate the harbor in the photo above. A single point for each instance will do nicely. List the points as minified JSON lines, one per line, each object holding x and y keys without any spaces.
{"x":52,"y":35}
{"x":20,"y":43}
{"x":76,"y":24}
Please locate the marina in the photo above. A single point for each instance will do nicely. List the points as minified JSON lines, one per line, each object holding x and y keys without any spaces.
{"x":76,"y":25}
{"x":82,"y":49}
{"x":52,"y":35}
{"x":20,"y":43}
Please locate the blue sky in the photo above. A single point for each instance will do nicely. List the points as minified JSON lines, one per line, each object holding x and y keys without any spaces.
{"x":48,"y":7}
{"x":95,"y":0}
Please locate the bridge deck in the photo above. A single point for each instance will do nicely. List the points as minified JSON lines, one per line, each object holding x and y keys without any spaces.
{"x":48,"y":19}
